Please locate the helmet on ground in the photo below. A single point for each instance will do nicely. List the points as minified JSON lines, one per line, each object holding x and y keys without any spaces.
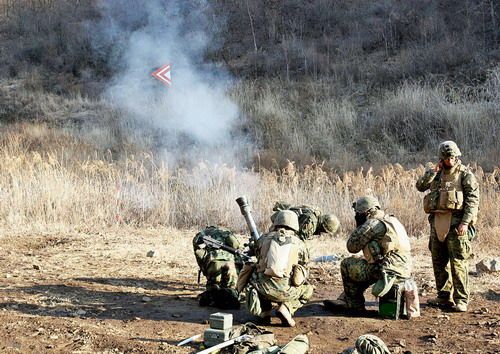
{"x":329,"y":222}
{"x":448,"y":149}
{"x":365,"y":204}
{"x":370,"y":344}
{"x":286,"y":218}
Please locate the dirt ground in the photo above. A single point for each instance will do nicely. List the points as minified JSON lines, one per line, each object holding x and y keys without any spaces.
{"x":101,"y":293}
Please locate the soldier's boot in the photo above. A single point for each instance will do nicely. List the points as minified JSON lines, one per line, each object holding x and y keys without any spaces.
{"x":440,"y":302}
{"x":285,"y":316}
{"x":338,"y":305}
{"x":460,"y":307}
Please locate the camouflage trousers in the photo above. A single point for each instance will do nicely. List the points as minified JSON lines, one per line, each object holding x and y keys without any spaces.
{"x":357,"y":276}
{"x":450,"y":261}
{"x":221,"y":274}
{"x":278,"y":290}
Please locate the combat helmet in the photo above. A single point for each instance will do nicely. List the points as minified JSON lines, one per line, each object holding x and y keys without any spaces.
{"x":288,"y":219}
{"x":370,"y":344}
{"x":365,"y":204}
{"x":448,"y":149}
{"x":329,"y":222}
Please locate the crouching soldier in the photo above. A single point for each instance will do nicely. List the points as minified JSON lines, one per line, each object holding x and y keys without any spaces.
{"x":311,"y":220}
{"x":280,"y":274}
{"x":219,"y":267}
{"x":387,"y":258}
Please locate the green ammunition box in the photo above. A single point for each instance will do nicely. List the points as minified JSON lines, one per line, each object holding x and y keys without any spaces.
{"x":392,"y":305}
{"x":221,"y":320}
{"x":212,"y":336}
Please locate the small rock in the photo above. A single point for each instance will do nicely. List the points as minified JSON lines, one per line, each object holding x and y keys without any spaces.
{"x":137,"y":318}
{"x":176,"y":315}
{"x":36,"y":267}
{"x":81,"y":312}
{"x":146,"y":299}
{"x":150,"y":253}
{"x":402,"y":343}
{"x":446,"y":317}
{"x":15,"y":307}
{"x":8,"y":276}
{"x":54,"y":337}
{"x":488,"y":265}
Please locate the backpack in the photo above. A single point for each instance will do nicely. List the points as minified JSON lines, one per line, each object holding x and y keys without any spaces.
{"x":278,"y":253}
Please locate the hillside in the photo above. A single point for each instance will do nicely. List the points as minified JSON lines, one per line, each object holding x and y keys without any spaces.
{"x":345,"y":82}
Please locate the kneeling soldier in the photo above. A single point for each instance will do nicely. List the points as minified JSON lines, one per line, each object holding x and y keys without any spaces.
{"x":387,"y":258}
{"x":280,"y":274}
{"x":219,"y":267}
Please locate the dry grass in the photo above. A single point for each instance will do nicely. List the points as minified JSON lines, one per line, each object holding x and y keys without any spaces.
{"x":318,"y":119}
{"x":48,"y":183}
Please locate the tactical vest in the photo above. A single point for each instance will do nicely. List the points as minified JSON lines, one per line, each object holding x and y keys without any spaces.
{"x":446,"y":192}
{"x":395,"y":239}
{"x":205,"y":255}
{"x":278,"y":253}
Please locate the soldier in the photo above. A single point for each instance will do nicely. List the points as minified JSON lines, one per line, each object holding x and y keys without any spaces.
{"x":387,"y":258}
{"x":311,"y":220}
{"x":219,"y":267}
{"x":452,"y":205}
{"x":280,"y":274}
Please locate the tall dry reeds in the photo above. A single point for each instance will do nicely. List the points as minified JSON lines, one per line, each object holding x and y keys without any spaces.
{"x":44,"y":189}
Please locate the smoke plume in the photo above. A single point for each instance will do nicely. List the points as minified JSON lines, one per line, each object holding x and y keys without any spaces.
{"x":194,"y":117}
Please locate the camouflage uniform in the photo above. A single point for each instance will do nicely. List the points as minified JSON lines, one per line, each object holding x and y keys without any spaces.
{"x":281,"y":290}
{"x":219,"y":267}
{"x":357,"y":273}
{"x":309,"y":219}
{"x":450,"y":257}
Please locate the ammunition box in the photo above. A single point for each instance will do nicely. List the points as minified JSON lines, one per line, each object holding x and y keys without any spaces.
{"x":213,"y":337}
{"x":392,"y":305}
{"x":221,"y":320}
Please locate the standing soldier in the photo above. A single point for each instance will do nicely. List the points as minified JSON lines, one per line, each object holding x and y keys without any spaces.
{"x":452,"y":205}
{"x":219,"y":267}
{"x":280,"y":275}
{"x":311,"y":220}
{"x":387,"y":258}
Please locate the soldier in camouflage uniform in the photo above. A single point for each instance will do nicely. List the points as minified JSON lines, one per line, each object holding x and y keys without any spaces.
{"x":387,"y":258}
{"x":219,"y":267}
{"x":452,"y":205}
{"x":280,"y":275}
{"x":311,"y":220}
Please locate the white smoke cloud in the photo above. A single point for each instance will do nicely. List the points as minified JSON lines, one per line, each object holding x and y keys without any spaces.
{"x":194,"y":116}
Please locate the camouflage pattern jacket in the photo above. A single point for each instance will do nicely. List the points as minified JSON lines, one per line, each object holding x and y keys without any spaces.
{"x":397,"y":262}
{"x":308,"y":218}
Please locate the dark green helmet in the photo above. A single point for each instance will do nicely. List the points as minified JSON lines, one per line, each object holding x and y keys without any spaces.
{"x":329,"y":222}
